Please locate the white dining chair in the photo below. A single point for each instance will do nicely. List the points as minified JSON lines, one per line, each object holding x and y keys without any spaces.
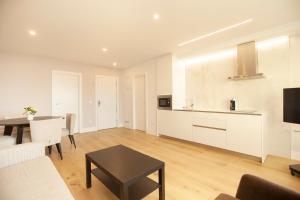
{"x":1,"y":127}
{"x":6,"y":141}
{"x":70,"y":127}
{"x":47,"y":132}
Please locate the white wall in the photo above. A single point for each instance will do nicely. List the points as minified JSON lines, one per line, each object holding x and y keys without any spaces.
{"x":164,"y":75}
{"x":149,"y":70}
{"x":26,"y":80}
{"x":208,"y":87}
{"x":295,"y":82}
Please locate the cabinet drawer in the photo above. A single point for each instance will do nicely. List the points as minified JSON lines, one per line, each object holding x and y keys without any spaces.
{"x":212,"y":123}
{"x":209,"y":136}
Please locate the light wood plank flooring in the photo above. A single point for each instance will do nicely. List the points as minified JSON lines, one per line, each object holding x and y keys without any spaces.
{"x":192,"y":171}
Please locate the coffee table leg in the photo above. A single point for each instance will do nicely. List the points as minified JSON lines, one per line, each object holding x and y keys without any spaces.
{"x":124,"y":192}
{"x":20,"y":134}
{"x":88,"y":173}
{"x":162,"y":183}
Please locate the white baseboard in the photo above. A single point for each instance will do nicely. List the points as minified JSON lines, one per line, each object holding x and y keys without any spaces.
{"x":120,"y":125}
{"x":152,"y":133}
{"x":295,"y":155}
{"x":90,"y":129}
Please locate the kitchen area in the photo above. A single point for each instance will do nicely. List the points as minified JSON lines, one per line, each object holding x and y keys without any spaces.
{"x":229,"y":99}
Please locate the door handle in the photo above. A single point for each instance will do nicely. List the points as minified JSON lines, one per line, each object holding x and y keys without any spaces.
{"x":99,"y":102}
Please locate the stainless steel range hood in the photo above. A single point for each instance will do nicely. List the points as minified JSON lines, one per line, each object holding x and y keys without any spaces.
{"x":247,"y":62}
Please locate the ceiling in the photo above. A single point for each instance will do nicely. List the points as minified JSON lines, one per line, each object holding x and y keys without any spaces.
{"x":77,"y":30}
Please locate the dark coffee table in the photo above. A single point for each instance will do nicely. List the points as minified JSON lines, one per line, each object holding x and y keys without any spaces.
{"x":124,"y":172}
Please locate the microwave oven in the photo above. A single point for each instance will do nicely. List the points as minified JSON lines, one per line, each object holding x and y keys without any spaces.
{"x":164,"y":102}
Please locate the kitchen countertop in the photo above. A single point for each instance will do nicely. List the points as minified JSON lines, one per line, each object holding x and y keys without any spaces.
{"x":240,"y":112}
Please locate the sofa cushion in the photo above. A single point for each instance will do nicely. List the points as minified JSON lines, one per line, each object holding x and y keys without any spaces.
{"x":255,"y":188}
{"x":7,"y":141}
{"x":33,"y":180}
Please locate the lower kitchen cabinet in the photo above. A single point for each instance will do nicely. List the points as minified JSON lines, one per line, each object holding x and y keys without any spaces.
{"x":175,"y":124}
{"x":236,"y":132}
{"x":244,"y":134}
{"x":209,"y":129}
{"x":209,"y":136}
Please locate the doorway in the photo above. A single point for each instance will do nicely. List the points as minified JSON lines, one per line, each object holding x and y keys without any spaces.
{"x":66,"y":95}
{"x":106,"y":102}
{"x":140,"y":102}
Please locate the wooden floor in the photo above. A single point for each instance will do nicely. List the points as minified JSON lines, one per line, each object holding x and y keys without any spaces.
{"x":192,"y":171}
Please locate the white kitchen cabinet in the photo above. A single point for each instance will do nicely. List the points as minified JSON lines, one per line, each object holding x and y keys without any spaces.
{"x":241,"y":133}
{"x":209,"y":129}
{"x":164,"y":75}
{"x":244,"y":134}
{"x":208,"y":136}
{"x":295,"y":142}
{"x":175,"y":124}
{"x":164,"y":123}
{"x":214,"y":120}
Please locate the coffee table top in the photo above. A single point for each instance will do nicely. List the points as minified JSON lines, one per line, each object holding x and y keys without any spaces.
{"x":124,"y":164}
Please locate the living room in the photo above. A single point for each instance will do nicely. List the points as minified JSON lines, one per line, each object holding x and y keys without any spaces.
{"x":150,"y":99}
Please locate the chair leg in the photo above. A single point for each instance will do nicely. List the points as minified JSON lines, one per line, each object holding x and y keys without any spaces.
{"x":70,"y":138}
{"x":73,"y":139}
{"x":58,"y":146}
{"x":50,"y":149}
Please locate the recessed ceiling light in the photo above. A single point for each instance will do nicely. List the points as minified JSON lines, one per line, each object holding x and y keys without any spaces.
{"x":156,"y":16}
{"x":115,"y":63}
{"x":104,"y":49}
{"x":32,"y":32}
{"x":215,"y":32}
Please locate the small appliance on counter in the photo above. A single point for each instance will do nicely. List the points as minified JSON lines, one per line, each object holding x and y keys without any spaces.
{"x":232,"y":104}
{"x":164,"y":102}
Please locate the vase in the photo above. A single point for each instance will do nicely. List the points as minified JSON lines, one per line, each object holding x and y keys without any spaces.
{"x":30,"y":117}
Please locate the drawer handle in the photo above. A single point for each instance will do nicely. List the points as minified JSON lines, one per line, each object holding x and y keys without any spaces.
{"x":209,"y":127}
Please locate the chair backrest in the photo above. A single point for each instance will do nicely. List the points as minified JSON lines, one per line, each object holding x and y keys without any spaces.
{"x":255,"y":188}
{"x":70,"y":122}
{"x":48,"y":132}
{"x":1,"y":127}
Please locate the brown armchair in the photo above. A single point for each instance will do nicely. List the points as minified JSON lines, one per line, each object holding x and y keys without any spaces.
{"x":255,"y":188}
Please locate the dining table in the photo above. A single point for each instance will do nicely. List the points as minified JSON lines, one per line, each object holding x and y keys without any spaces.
{"x":20,"y":124}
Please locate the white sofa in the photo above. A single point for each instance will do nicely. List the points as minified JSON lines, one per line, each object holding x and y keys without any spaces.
{"x":27,"y":174}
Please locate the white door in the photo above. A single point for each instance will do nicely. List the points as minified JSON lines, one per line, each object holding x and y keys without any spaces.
{"x":65,"y":94}
{"x":140,"y":103}
{"x":106,"y":87}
